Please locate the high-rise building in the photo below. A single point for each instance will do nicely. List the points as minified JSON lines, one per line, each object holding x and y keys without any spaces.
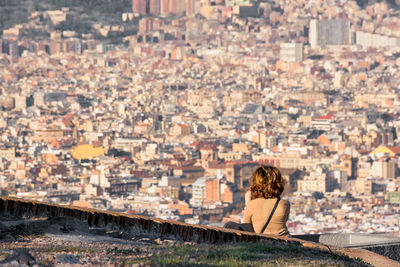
{"x":13,"y":49}
{"x":164,"y":7}
{"x":38,"y":98}
{"x":155,"y":7}
{"x":168,"y":7}
{"x":55,"y":47}
{"x":198,"y":192}
{"x":329,"y":32}
{"x":139,"y":7}
{"x":291,"y":52}
{"x":212,"y":191}
{"x":177,"y":6}
{"x":190,"y":8}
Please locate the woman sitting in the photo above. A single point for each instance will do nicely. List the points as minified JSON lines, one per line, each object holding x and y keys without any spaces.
{"x":264,"y":208}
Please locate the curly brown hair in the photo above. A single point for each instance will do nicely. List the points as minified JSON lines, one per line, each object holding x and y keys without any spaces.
{"x":266,"y":182}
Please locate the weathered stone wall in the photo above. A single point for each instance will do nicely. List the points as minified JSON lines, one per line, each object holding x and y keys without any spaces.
{"x":164,"y":228}
{"x":132,"y":223}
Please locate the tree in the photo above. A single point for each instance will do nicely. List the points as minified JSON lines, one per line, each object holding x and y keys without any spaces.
{"x":318,"y":195}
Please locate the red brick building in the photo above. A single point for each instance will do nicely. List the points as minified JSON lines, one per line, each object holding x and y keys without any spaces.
{"x":139,"y":7}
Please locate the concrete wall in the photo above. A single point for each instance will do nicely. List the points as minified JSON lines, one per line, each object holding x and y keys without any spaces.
{"x":384,"y":245}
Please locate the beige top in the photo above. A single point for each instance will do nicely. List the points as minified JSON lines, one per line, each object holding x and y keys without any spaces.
{"x":258,"y":210}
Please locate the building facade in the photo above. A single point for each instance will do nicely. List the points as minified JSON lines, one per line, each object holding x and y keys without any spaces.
{"x":329,"y":32}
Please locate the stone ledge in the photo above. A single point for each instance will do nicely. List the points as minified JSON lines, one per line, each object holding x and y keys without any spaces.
{"x":96,"y":218}
{"x":181,"y":231}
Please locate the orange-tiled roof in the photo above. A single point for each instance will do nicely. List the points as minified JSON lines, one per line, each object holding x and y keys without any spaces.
{"x":327,"y":117}
{"x":275,"y":149}
{"x":183,"y":125}
{"x":394,"y":149}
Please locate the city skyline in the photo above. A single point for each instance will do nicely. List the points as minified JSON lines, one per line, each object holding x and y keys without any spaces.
{"x":167,"y":111}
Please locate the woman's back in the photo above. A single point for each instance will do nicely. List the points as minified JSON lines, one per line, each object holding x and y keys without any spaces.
{"x":258,"y":210}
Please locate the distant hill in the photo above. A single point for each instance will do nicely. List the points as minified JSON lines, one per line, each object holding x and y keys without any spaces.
{"x":105,"y":11}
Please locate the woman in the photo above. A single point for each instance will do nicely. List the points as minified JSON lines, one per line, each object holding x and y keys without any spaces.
{"x":266,"y":186}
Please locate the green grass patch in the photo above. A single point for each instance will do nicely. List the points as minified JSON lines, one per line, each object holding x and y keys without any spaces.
{"x":70,"y":249}
{"x":245,"y":254}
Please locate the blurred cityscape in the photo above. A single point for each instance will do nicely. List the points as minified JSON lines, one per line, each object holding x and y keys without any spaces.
{"x":168,"y":109}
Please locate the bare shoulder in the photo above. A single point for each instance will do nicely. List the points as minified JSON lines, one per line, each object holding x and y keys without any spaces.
{"x":255,"y":203}
{"x":267,"y":201}
{"x":252,"y":202}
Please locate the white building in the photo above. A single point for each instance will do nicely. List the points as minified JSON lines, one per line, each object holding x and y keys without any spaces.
{"x":317,"y":181}
{"x":198,"y":192}
{"x":20,"y":102}
{"x":38,"y":98}
{"x":291,"y":52}
{"x":366,"y":39}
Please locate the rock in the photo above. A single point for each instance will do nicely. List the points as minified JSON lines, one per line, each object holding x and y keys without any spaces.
{"x":165,"y":241}
{"x":114,"y":234}
{"x":146,"y":240}
{"x":21,"y":257}
{"x":126,"y":235}
{"x":68,"y":259}
{"x":65,"y":229}
{"x":97,"y":231}
{"x":2,"y":227}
